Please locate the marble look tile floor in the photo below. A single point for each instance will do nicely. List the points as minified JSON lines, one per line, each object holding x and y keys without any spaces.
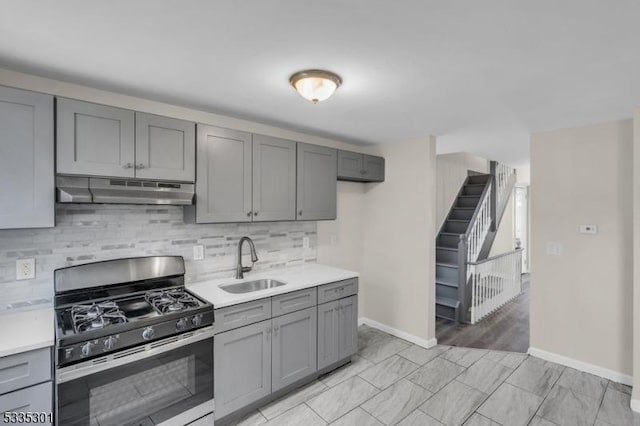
{"x":391,"y":381}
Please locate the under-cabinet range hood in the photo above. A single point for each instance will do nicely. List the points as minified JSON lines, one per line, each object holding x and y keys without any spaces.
{"x":71,"y":189}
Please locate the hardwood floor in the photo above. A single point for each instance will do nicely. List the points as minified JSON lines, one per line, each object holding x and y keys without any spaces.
{"x":506,"y":329}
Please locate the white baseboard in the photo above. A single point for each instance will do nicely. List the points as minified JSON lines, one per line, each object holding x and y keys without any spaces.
{"x":398,"y":333}
{"x":635,"y":405}
{"x":584,"y":366}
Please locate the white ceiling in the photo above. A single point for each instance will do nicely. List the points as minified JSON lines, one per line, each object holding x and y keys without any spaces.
{"x":479,"y":74}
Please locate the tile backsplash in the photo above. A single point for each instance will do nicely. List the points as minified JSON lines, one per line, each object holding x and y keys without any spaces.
{"x":94,"y":232}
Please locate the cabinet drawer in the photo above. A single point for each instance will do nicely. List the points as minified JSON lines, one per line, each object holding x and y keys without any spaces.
{"x":338,"y":290}
{"x":293,"y":301}
{"x":34,"y":399}
{"x":238,"y":315}
{"x":24,"y":369}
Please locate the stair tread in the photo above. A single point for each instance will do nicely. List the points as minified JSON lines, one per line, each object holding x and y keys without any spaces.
{"x":459,"y":220}
{"x":464,"y":208}
{"x":446,"y":283}
{"x":448,"y":265}
{"x":469,"y":196}
{"x":446,"y":248}
{"x":447,"y":301}
{"x":451,"y":233}
{"x":474,"y":184}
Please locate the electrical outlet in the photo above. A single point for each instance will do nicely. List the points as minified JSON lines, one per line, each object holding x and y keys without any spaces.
{"x":198,"y":252}
{"x":588,"y":229}
{"x":25,"y":269}
{"x":305,"y":242}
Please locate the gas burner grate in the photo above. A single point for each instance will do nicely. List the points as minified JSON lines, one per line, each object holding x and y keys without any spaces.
{"x":171,"y":300}
{"x":96,"y":316}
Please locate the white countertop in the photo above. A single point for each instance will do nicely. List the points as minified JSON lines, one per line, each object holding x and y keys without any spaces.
{"x":26,"y":330}
{"x":296,"y":278}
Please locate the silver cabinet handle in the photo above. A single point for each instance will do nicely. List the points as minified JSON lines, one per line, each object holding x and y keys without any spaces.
{"x":140,"y":166}
{"x":300,"y":213}
{"x":249,"y":214}
{"x":255,"y":213}
{"x":127,"y":166}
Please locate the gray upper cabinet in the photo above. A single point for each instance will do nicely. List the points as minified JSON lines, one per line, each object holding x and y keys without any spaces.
{"x":274,"y":179}
{"x":242,"y":367}
{"x":165,"y":148}
{"x":316,"y":182}
{"x":360,"y":167}
{"x":294,"y":347}
{"x":94,"y":139}
{"x":223,"y":188}
{"x":27,"y":196}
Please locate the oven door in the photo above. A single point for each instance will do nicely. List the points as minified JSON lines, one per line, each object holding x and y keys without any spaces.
{"x":165,"y":382}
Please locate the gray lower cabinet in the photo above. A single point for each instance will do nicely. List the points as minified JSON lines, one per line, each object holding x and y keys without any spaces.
{"x":274,"y":179}
{"x":337,"y":330}
{"x":242,"y":367}
{"x":353,"y":166}
{"x":165,"y":148}
{"x":316,"y":182}
{"x":294,"y":349}
{"x":223,"y":187}
{"x":26,"y":159}
{"x":95,"y":140}
{"x":34,"y":399}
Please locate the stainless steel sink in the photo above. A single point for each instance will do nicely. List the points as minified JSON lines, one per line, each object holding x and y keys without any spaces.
{"x":249,"y":286}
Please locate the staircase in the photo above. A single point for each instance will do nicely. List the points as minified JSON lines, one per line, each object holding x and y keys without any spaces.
{"x":448,"y":244}
{"x":466,"y":236}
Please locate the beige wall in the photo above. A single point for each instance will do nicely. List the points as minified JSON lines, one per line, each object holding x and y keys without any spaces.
{"x":451,"y":171}
{"x":505,"y":237}
{"x":581,"y":301}
{"x":636,"y":262}
{"x":399,"y":240}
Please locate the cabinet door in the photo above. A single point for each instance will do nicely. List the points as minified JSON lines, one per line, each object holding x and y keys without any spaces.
{"x":294,"y":346}
{"x":350,"y":165}
{"x":274,"y":179}
{"x":94,"y":139}
{"x":223,"y":185}
{"x":27,"y":194}
{"x":328,"y":334}
{"x":348,"y":319}
{"x":165,"y":148}
{"x":242,"y":367}
{"x":34,"y":399}
{"x":373,"y":168}
{"x":317,"y":182}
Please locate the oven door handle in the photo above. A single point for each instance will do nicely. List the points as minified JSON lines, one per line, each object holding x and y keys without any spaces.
{"x":117,"y":359}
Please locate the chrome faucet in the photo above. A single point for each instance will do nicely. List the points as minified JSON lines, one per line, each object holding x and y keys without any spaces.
{"x":240,"y":270}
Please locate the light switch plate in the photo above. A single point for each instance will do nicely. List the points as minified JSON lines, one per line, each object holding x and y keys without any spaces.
{"x":588,"y":229}
{"x":25,"y":269}
{"x":305,"y":242}
{"x":198,"y":252}
{"x":554,"y":248}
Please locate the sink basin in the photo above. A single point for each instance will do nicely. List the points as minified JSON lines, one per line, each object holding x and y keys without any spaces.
{"x":249,"y":286}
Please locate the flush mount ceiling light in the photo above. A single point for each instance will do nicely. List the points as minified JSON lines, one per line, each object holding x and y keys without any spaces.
{"x":315,"y":85}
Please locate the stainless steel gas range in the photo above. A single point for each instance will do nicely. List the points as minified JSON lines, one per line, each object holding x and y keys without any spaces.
{"x":133,"y":346}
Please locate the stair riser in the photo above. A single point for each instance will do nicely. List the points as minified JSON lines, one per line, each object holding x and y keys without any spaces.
{"x":461,"y":214}
{"x":467,"y":202}
{"x":445,"y":312}
{"x":447,"y":274}
{"x":456,"y":227}
{"x":472,"y":190}
{"x":478,"y":179}
{"x":446,"y":256}
{"x":446,"y":291}
{"x":448,"y":241}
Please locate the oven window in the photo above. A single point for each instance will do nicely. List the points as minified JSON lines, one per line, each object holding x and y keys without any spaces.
{"x":144,"y":392}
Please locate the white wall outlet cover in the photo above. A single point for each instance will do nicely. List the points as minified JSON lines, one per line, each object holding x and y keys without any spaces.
{"x":305,"y":242}
{"x":554,"y":248}
{"x":25,"y":269}
{"x":198,"y":252}
{"x":589,"y":229}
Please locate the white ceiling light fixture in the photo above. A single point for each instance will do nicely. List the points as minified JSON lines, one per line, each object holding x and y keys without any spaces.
{"x":315,"y":85}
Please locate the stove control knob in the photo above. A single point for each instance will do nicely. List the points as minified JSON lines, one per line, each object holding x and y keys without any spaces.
{"x":86,"y":349}
{"x":109,"y":343}
{"x":148,"y":333}
{"x":197,"y":320}
{"x":181,"y":324}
